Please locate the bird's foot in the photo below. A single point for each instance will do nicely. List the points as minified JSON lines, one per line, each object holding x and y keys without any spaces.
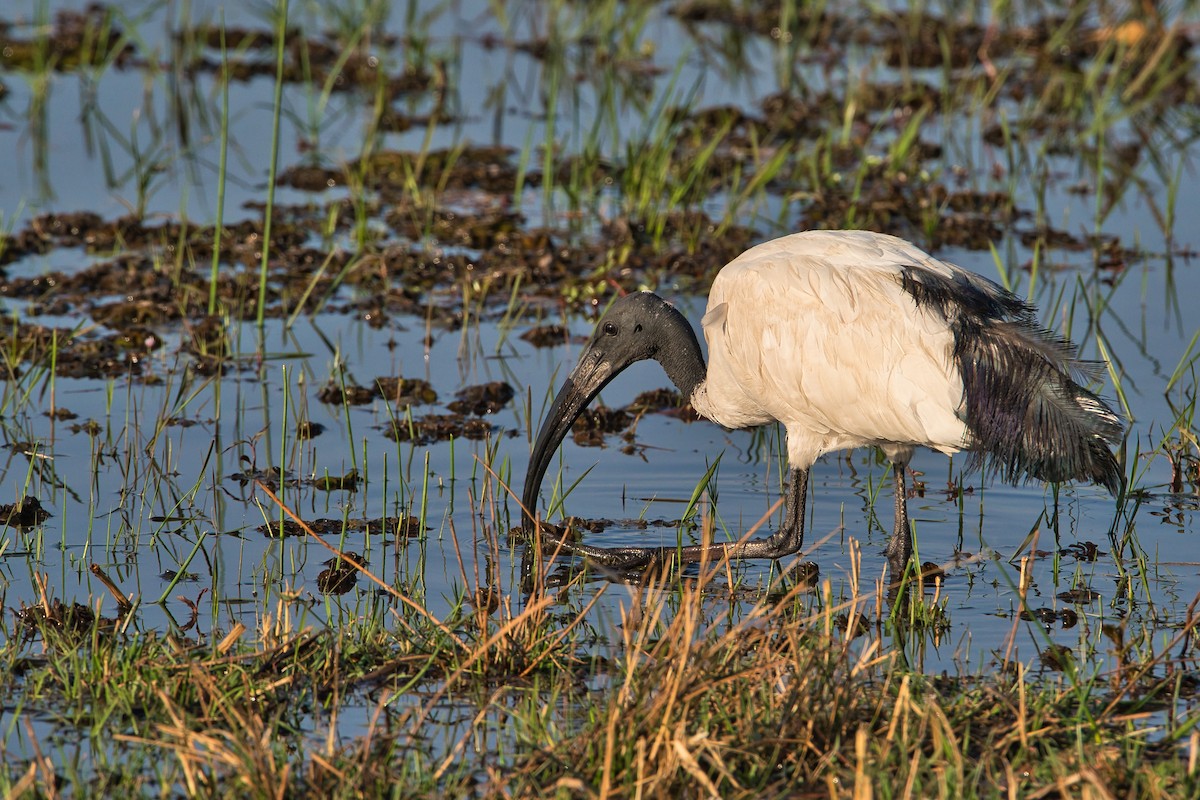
{"x":785,"y":542}
{"x":780,"y":544}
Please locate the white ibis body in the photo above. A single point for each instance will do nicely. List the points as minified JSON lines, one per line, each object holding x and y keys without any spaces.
{"x":851,"y":339}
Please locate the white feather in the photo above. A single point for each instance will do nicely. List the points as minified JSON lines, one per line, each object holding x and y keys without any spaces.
{"x":815,"y":330}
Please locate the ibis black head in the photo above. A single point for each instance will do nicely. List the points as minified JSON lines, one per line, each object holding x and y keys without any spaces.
{"x":637,"y":327}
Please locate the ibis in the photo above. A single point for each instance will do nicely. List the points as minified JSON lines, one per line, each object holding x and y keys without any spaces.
{"x":853,"y":339}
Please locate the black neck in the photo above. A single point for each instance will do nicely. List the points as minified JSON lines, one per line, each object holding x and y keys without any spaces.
{"x":680,"y":354}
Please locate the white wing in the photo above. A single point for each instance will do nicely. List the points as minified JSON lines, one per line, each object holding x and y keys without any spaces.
{"x":815,"y":330}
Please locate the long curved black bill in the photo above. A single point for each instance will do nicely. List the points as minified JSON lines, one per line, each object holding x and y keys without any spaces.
{"x":583,"y":384}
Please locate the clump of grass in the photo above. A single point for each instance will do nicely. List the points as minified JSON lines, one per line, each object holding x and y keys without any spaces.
{"x":778,"y":704}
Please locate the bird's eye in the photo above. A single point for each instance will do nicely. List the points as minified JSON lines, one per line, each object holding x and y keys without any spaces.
{"x":610,"y":329}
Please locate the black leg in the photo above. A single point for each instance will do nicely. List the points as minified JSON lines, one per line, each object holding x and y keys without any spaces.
{"x":900,"y":546}
{"x":786,"y":541}
{"x":789,"y":539}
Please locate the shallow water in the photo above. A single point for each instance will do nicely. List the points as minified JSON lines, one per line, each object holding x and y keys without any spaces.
{"x":155,"y":493}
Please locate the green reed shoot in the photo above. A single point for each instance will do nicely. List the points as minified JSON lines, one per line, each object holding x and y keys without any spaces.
{"x":222,"y":173}
{"x":281,"y":23}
